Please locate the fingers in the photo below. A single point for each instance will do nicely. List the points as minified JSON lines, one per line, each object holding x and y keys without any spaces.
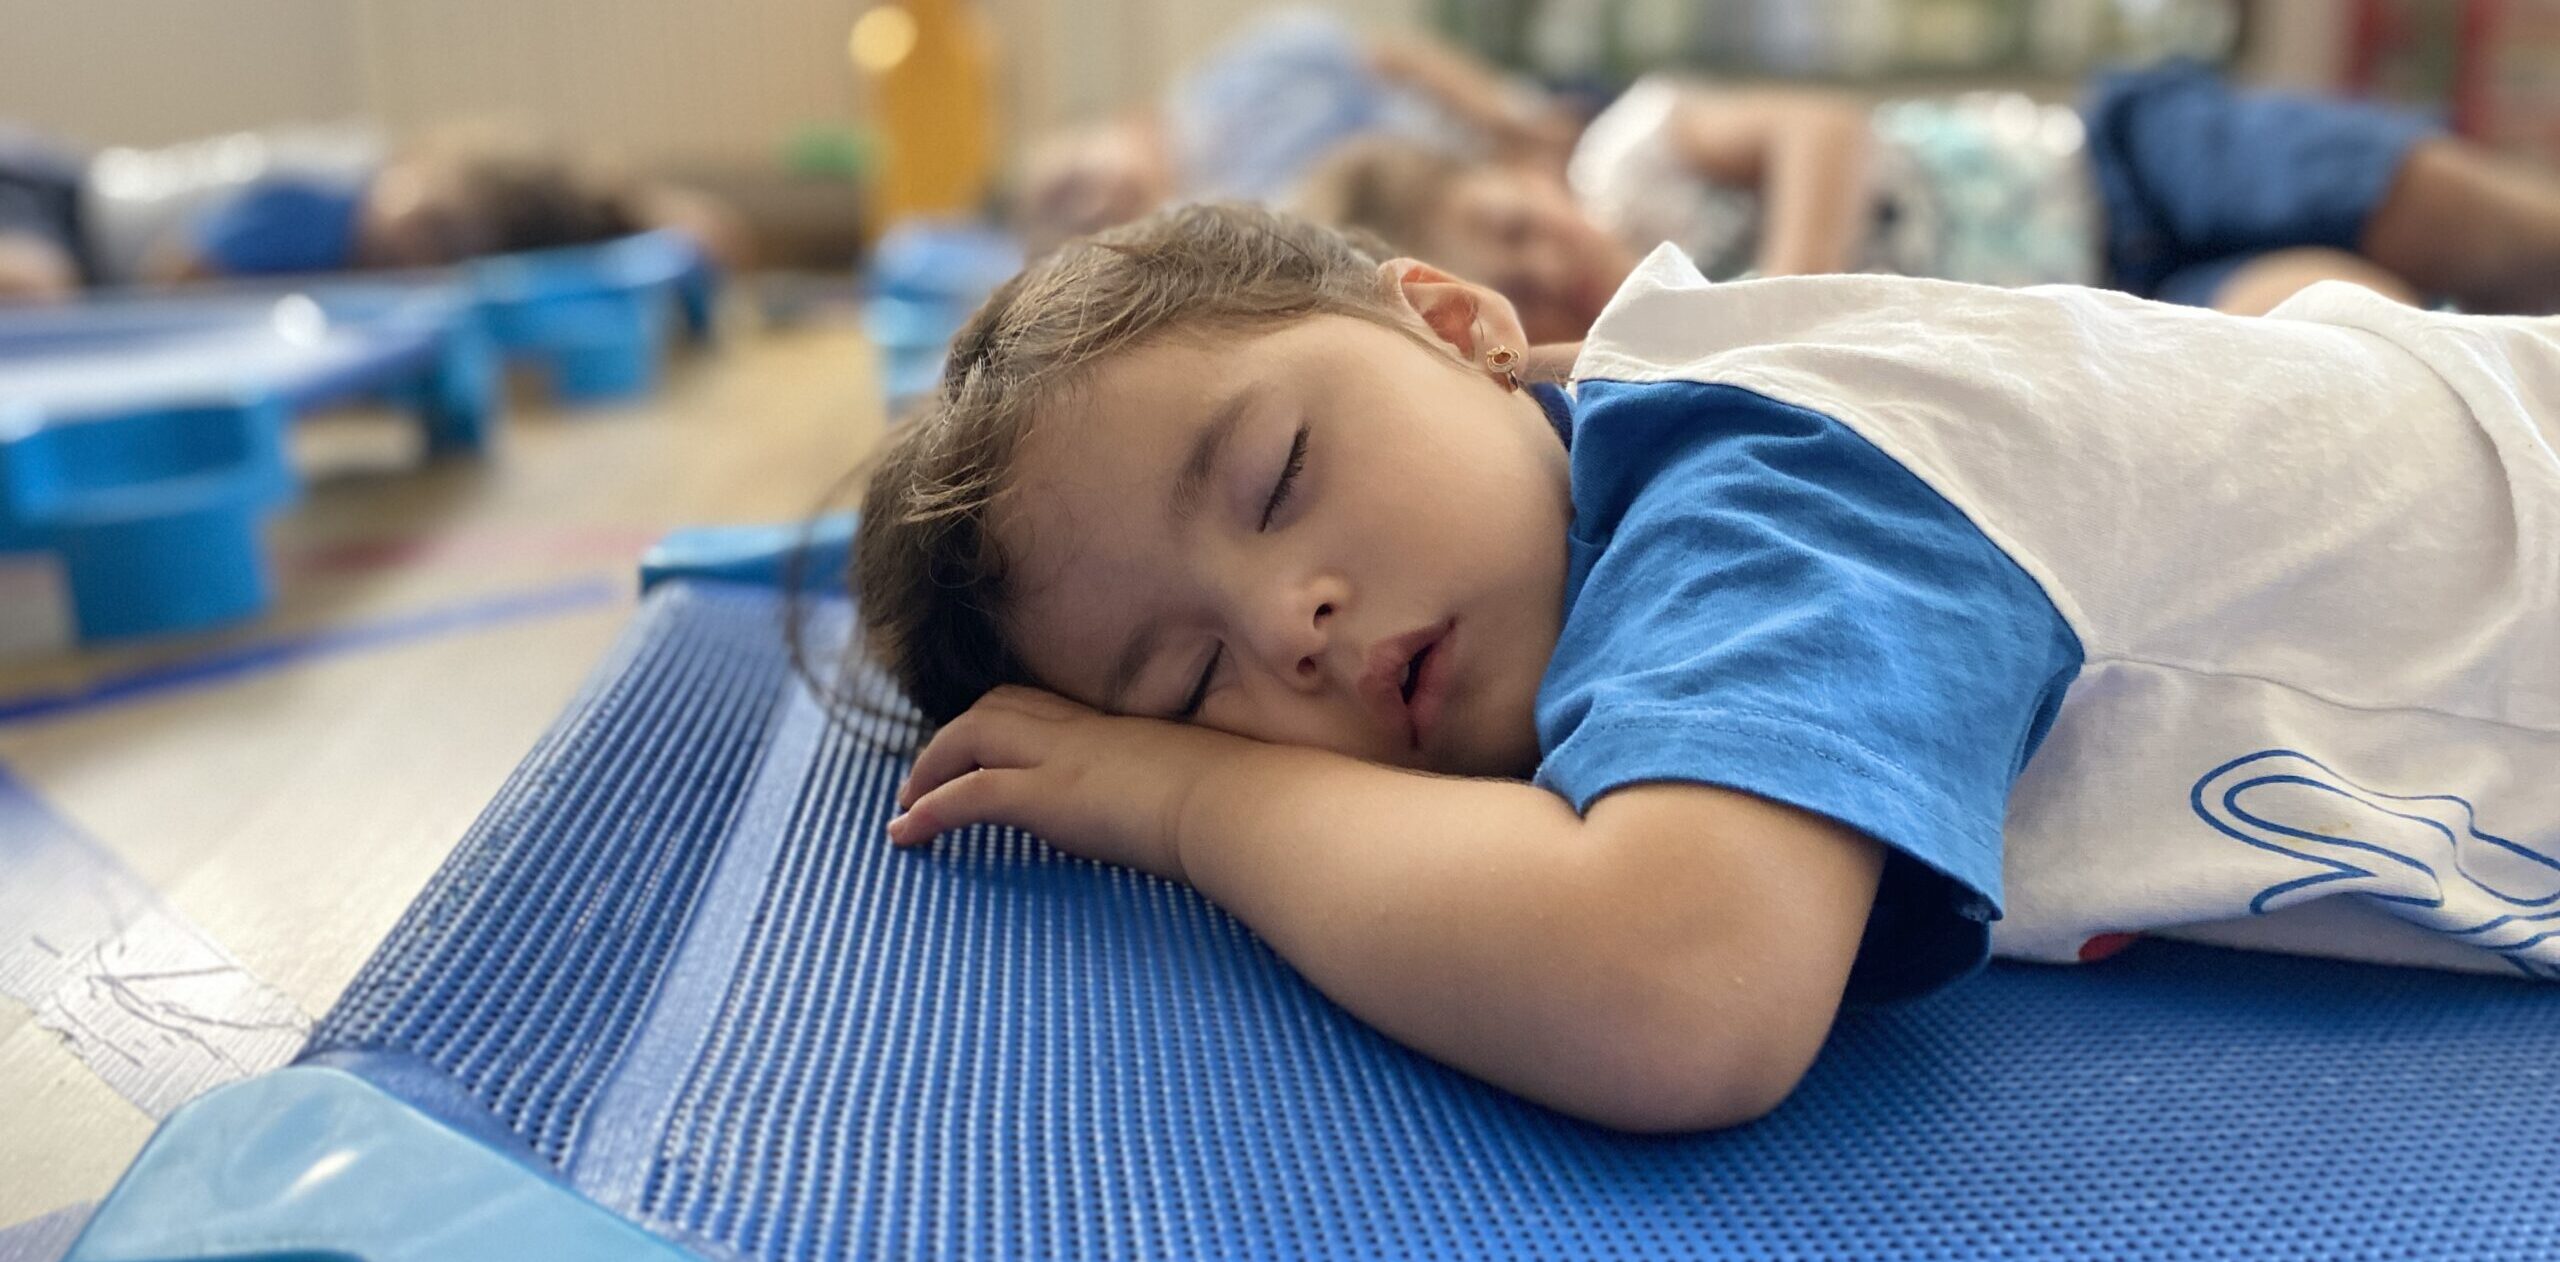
{"x":970,"y":770}
{"x":978,"y":797}
{"x":1004,"y":729}
{"x":980,"y":738}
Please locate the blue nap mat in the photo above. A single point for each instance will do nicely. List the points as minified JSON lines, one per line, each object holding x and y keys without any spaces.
{"x":676,"y":972}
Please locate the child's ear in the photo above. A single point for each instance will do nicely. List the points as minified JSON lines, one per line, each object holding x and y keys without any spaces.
{"x":1469,"y":317}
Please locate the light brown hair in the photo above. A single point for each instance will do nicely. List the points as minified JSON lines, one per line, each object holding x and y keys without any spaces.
{"x":929,"y":573}
{"x":1385,"y":186}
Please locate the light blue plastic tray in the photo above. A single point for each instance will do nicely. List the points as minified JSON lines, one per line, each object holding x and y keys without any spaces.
{"x":675,"y":973}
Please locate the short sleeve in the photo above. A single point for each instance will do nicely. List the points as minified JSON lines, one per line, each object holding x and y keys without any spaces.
{"x":1762,"y":600}
{"x":280,"y":225}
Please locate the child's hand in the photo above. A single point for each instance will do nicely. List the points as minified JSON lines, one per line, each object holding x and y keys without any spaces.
{"x":1104,"y":787}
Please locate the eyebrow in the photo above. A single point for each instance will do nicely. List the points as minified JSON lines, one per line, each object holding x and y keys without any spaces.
{"x":1190,"y":487}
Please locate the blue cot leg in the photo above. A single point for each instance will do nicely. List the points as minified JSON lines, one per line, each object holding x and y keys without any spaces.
{"x":460,"y":410}
{"x":605,"y":347}
{"x":157,"y":516}
{"x":697,"y":294}
{"x":176,"y":572}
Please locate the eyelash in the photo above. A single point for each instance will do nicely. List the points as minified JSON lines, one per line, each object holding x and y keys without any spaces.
{"x":1279,"y":495}
{"x":1288,"y":477}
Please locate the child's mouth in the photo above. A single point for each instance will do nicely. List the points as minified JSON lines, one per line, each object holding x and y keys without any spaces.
{"x":1404,"y":690}
{"x":1426,"y":685}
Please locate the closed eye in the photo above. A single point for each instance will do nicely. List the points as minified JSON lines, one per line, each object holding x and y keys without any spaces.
{"x":1200,"y":691}
{"x":1289,"y":471}
{"x":1288,"y":477}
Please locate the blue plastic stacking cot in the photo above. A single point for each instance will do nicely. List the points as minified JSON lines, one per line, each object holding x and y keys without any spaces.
{"x":674,"y":995}
{"x":920,"y":285}
{"x":595,"y":320}
{"x":142,"y":440}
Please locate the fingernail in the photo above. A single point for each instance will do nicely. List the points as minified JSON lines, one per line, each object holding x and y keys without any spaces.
{"x":897,"y":827}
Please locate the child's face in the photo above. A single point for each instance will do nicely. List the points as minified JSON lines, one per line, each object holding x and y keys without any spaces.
{"x":1518,"y":230}
{"x":1429,"y":507}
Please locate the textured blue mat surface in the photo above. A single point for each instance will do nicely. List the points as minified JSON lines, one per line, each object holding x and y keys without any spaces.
{"x":677,"y":963}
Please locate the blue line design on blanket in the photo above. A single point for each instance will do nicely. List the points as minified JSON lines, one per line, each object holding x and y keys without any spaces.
{"x":2425,"y":857}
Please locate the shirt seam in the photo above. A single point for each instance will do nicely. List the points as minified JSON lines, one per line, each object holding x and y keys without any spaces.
{"x":2318,"y":695}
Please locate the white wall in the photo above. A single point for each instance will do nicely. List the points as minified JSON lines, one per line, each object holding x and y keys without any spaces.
{"x":1079,"y":59}
{"x":651,"y":78}
{"x":686,"y":79}
{"x":153,"y":71}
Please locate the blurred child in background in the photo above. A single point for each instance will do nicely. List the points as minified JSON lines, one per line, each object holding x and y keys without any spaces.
{"x":2168,"y":184}
{"x":311,"y":199}
{"x":1251,"y":120}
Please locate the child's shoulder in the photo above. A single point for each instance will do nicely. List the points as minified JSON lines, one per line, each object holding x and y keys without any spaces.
{"x":1668,"y":318}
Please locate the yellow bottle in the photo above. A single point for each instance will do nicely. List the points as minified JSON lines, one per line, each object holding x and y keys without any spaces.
{"x":930,"y":67}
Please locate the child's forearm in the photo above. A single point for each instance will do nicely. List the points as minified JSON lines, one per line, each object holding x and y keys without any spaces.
{"x":1481,"y":923}
{"x":1477,"y":94}
{"x":1670,"y":960}
{"x":1816,"y":193}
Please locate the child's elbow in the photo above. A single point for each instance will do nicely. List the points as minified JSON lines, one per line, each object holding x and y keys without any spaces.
{"x":1717,"y":961}
{"x":1728,"y":1083}
{"x":1700,"y":1047}
{"x":1684,"y":1117}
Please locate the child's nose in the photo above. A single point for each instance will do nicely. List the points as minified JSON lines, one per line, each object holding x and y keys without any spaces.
{"x":1302,"y":644}
{"x":1311,"y":665}
{"x":1292,"y":631}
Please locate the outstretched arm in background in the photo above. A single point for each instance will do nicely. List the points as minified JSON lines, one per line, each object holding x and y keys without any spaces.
{"x":1670,"y":961}
{"x":2460,"y":221}
{"x":1522,"y":123}
{"x":1806,"y":152}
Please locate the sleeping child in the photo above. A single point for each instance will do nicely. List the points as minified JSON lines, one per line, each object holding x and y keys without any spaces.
{"x":1271,"y":101}
{"x":1815,"y":639}
{"x":294,"y":200}
{"x":2166,"y":183}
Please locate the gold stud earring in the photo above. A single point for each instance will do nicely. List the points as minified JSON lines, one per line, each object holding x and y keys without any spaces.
{"x":1504,"y":360}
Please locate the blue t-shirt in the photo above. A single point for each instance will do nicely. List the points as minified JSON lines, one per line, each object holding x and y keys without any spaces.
{"x":1762,"y":600}
{"x":281,"y":224}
